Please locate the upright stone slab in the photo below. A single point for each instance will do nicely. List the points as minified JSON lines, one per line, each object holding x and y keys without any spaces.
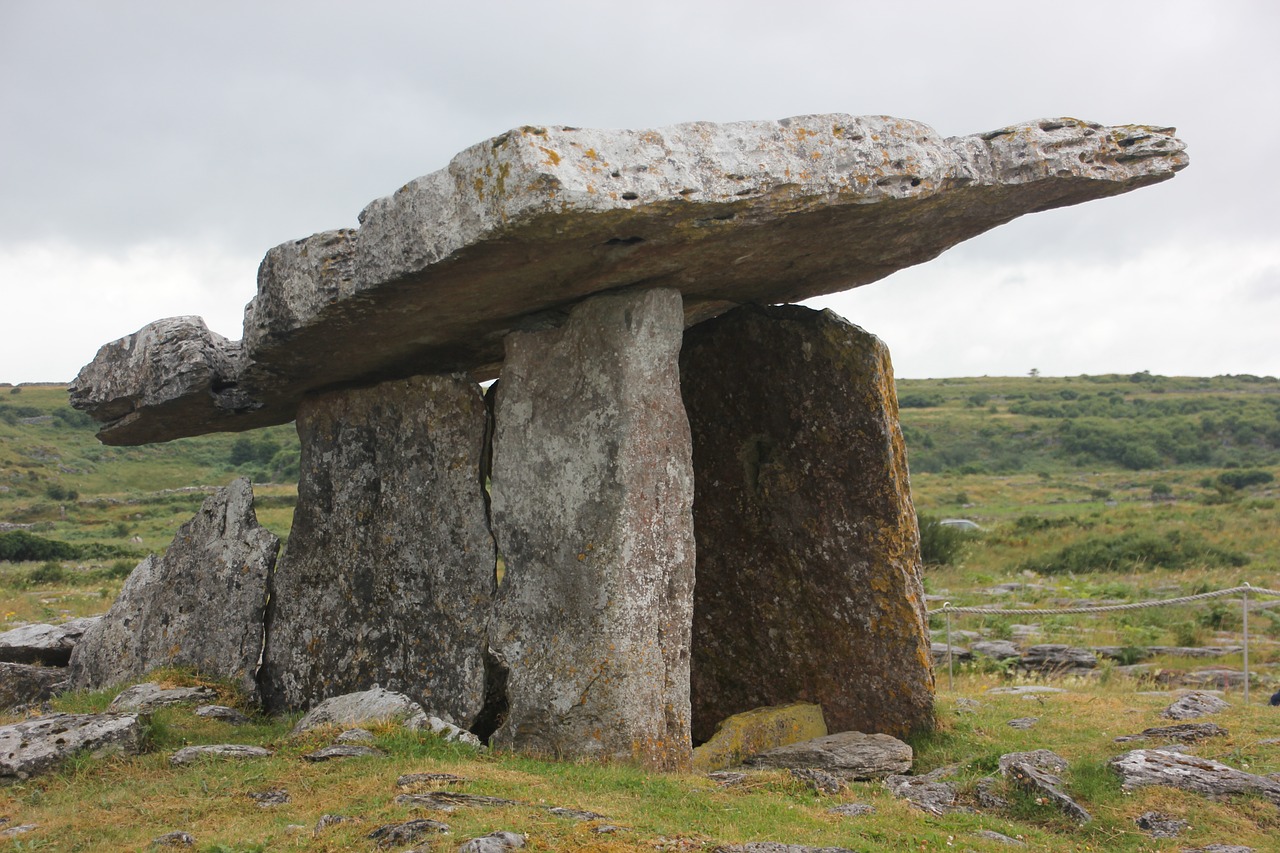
{"x":592,"y":485}
{"x":201,"y":605}
{"x":808,"y":554}
{"x":389,"y":573}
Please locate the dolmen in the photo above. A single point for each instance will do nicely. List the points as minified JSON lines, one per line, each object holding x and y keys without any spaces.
{"x":522,"y":559}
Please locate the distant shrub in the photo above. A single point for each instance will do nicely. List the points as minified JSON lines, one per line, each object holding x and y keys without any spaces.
{"x":1243,"y":479}
{"x":49,"y":572}
{"x":1161,"y":490}
{"x":58,"y":492}
{"x":1126,"y":551}
{"x":21,"y":546}
{"x":941,"y":545}
{"x":919,"y":401}
{"x":1034,"y":523}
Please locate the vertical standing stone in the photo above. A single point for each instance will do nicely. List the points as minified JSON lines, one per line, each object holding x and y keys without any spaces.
{"x":200,"y":605}
{"x":592,"y":484}
{"x":388,"y":575}
{"x":808,"y":555}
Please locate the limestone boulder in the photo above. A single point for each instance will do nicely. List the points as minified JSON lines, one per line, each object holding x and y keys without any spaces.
{"x":1039,"y":771}
{"x":1141,"y":767}
{"x":1195,"y":704}
{"x":848,"y":755}
{"x":36,"y":746}
{"x":150,"y":696}
{"x":808,"y":555}
{"x":591,"y":491}
{"x":757,"y":731}
{"x":201,"y":605}
{"x":49,"y":645}
{"x":542,"y":217}
{"x":357,"y":709}
{"x":389,"y":575}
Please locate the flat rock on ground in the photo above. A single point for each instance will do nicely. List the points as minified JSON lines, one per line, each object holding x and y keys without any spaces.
{"x":1183,"y":732}
{"x":758,"y":730}
{"x":1038,"y":771}
{"x":849,"y":755}
{"x":1058,"y":658}
{"x":24,"y":684}
{"x":1196,"y":704}
{"x":233,"y":751}
{"x":494,"y":842}
{"x":35,"y":746}
{"x":928,"y":793}
{"x":148,"y":696}
{"x":360,"y":708}
{"x":343,"y":750}
{"x":50,"y":645}
{"x":1140,"y":767}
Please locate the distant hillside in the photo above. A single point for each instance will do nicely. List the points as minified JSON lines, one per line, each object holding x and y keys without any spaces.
{"x":1002,"y":425}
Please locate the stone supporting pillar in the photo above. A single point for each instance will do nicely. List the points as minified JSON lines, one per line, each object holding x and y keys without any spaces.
{"x":808,"y":554}
{"x":388,"y":575}
{"x":591,"y":491}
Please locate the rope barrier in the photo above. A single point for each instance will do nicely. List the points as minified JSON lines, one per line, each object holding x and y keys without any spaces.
{"x":1245,"y":590}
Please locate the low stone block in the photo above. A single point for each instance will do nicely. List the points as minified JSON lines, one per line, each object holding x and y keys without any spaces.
{"x":849,"y":755}
{"x":762,"y":729}
{"x":36,"y":746}
{"x":23,"y":684}
{"x":49,"y":645}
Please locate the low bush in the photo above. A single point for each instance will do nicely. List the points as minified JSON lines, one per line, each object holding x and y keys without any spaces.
{"x":20,"y":546}
{"x":1126,"y":551}
{"x":941,"y":545}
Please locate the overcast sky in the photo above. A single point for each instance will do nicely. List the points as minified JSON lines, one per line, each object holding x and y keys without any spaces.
{"x":152,"y":151}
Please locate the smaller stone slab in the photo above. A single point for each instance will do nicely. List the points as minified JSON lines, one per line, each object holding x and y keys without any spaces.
{"x":752,"y":732}
{"x":361,"y":708}
{"x":269,"y":798}
{"x":1058,"y":658}
{"x":495,"y":842}
{"x":149,"y":696}
{"x":410,"y":832}
{"x":1159,"y":825}
{"x":232,"y":751}
{"x":23,"y":684}
{"x":222,"y":712}
{"x":1037,"y":771}
{"x":343,"y":750}
{"x":849,"y":755}
{"x":997,"y":649}
{"x":415,"y":781}
{"x":929,"y":792}
{"x":50,"y":645}
{"x":36,"y":746}
{"x":1195,"y":704}
{"x":1183,"y":732}
{"x":1141,"y":767}
{"x":177,"y":838}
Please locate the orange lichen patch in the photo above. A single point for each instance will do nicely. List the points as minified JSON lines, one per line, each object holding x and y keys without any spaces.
{"x":553,"y":157}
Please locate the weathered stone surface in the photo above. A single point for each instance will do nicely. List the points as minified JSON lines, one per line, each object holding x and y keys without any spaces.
{"x":233,"y":751}
{"x":23,"y":684}
{"x":1195,"y":704}
{"x":776,"y":847}
{"x":849,"y":755}
{"x":409,"y":832}
{"x":422,"y":721}
{"x":539,"y":218}
{"x":356,"y":736}
{"x":998,"y":649}
{"x":1058,"y":658}
{"x":147,"y":697}
{"x":1159,"y":825}
{"x":448,"y":801}
{"x":389,"y":574}
{"x":416,"y":781}
{"x":1140,"y":767}
{"x":362,"y":708}
{"x":342,"y":750}
{"x":808,"y":555}
{"x":1183,"y":732}
{"x":591,"y":490}
{"x":495,"y":842}
{"x":928,"y":792}
{"x":222,"y":712}
{"x":201,"y":605}
{"x":177,"y":838}
{"x":36,"y":746}
{"x":992,"y":835}
{"x":50,"y":645}
{"x":269,"y":798}
{"x":1037,"y":771}
{"x":944,"y":654}
{"x":756,"y":731}
{"x":820,"y":781}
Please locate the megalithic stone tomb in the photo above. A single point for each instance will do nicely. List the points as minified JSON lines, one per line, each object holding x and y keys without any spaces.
{"x":570,"y":263}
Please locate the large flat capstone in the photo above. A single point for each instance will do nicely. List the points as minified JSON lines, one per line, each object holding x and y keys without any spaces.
{"x":389,"y":574}
{"x":539,"y":219}
{"x":808,"y":559}
{"x":592,"y":485}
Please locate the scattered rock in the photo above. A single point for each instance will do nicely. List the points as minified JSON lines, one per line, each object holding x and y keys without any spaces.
{"x":727,"y":779}
{"x":49,"y":645}
{"x":1218,"y":848}
{"x":202,"y":605}
{"x":992,"y":835}
{"x":927,"y":793}
{"x":997,"y":649}
{"x":20,"y":829}
{"x":852,"y":809}
{"x":1037,"y":771}
{"x":575,"y":814}
{"x":328,"y":820}
{"x":1217,"y":678}
{"x":362,"y":708}
{"x":448,"y":801}
{"x":1142,"y":767}
{"x":233,"y":751}
{"x":942,"y":654}
{"x":1158,"y":825}
{"x":413,"y":781}
{"x":804,"y":524}
{"x":592,"y":486}
{"x":343,"y":750}
{"x":410,"y":832}
{"x":147,"y":697}
{"x":1196,"y":704}
{"x":606,"y":829}
{"x":173,"y":839}
{"x":1183,"y":732}
{"x":494,"y":842}
{"x":820,"y":781}
{"x":448,"y":731}
{"x":775,"y":847}
{"x":849,"y":755}
{"x":1023,"y":722}
{"x":270,"y":798}
{"x":1024,"y":690}
{"x":751,"y":732}
{"x":356,"y":736}
{"x":32,"y":747}
{"x":965,"y":705}
{"x":1058,"y":658}
{"x":221,"y":712}
{"x":23,"y":684}
{"x":987,"y":798}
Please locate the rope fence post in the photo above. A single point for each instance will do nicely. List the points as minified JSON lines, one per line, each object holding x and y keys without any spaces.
{"x":951,"y":666}
{"x":1244,"y":607}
